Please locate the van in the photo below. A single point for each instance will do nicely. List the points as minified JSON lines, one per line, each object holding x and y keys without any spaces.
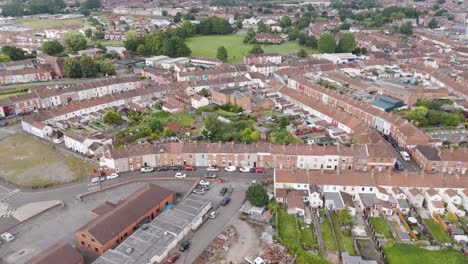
{"x":398,"y":165}
{"x":405,"y":155}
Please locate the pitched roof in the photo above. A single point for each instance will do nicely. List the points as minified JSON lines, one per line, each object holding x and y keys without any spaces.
{"x":58,"y":254}
{"x":294,"y":200}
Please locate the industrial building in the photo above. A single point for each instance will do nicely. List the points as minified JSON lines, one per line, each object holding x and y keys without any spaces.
{"x":153,"y":241}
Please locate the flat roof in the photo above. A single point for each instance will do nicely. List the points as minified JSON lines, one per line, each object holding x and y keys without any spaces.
{"x":336,"y":198}
{"x":156,"y":237}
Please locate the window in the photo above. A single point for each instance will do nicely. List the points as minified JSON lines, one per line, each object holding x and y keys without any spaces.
{"x":203,"y":156}
{"x":362,"y":189}
{"x":82,"y":243}
{"x":96,"y":249}
{"x":288,"y":158}
{"x":83,"y":235}
{"x":92,"y":239}
{"x":371,"y":189}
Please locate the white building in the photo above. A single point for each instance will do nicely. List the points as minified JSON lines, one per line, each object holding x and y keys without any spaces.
{"x":415,"y":197}
{"x":451,"y":196}
{"x":36,"y":128}
{"x":198,"y":101}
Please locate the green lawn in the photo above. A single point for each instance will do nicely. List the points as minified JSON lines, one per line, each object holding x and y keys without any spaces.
{"x":184,"y":119}
{"x":12,"y":92}
{"x":295,"y":239}
{"x":327,"y":235}
{"x":398,"y":253}
{"x":112,"y":43}
{"x":50,"y":23}
{"x":206,"y":46}
{"x":381,"y":226}
{"x":439,"y":234}
{"x":345,"y":241}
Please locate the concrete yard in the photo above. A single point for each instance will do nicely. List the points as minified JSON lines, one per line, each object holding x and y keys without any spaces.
{"x":60,"y":224}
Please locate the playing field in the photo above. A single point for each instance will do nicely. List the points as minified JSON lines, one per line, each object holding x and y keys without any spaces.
{"x":206,"y":46}
{"x":50,"y":23}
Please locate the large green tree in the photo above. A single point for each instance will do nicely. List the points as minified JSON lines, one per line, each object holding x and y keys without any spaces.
{"x":88,"y":67}
{"x":407,"y":29}
{"x":92,"y":4}
{"x":327,"y":43}
{"x":256,"y":49}
{"x":52,"y":47}
{"x":112,"y":118}
{"x":222,"y":54}
{"x":14,"y":53}
{"x":72,"y":68}
{"x":74,"y":41}
{"x":13,"y":8}
{"x":344,"y":216}
{"x":257,"y":195}
{"x":433,"y":24}
{"x":302,"y":53}
{"x":106,"y":67}
{"x":285,"y":22}
{"x":347,"y":43}
{"x":4,"y":58}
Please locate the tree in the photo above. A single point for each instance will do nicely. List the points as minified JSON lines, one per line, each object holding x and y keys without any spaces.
{"x":280,"y":137}
{"x":344,"y":216}
{"x":407,"y":29}
{"x":452,"y":217}
{"x":262,"y":27}
{"x":106,"y":67}
{"x":132,"y":40}
{"x":74,"y":41}
{"x":285,"y":22}
{"x":14,"y":53}
{"x":378,"y":20}
{"x":433,"y":24}
{"x":155,"y":125}
{"x":92,"y":4}
{"x":302,"y":53}
{"x":293,"y":34}
{"x":112,"y":118}
{"x":167,"y":132}
{"x":440,"y":2}
{"x":250,"y":36}
{"x":211,"y":127}
{"x":88,"y":67}
{"x":13,"y":8}
{"x":72,"y":68}
{"x":4,"y":58}
{"x":283,"y":122}
{"x":222,"y":54}
{"x":347,"y":43}
{"x":327,"y":43}
{"x":88,"y":32}
{"x":177,"y":18}
{"x":164,"y":13}
{"x":52,"y":47}
{"x":239,"y":24}
{"x":257,"y":195}
{"x":204,"y":92}
{"x":257,"y":49}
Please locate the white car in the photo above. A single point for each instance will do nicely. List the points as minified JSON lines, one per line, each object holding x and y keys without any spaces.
{"x":405,"y":155}
{"x":180,"y":175}
{"x":112,"y":176}
{"x":230,"y":168}
{"x":203,"y":182}
{"x":212,"y":169}
{"x":245,"y":169}
{"x":7,"y":237}
{"x":57,"y":140}
{"x":213,"y":214}
{"x":147,"y":169}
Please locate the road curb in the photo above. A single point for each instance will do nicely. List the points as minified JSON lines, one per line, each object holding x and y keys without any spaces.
{"x":31,"y":217}
{"x":83,"y":195}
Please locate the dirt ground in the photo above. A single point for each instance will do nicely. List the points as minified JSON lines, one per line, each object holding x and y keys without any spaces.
{"x":28,"y":162}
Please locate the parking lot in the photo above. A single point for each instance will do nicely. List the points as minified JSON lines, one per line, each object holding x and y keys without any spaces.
{"x":60,"y":224}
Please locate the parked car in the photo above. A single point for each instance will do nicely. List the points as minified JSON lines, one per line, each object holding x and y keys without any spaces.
{"x":223,"y":191}
{"x":184,"y":245}
{"x":405,"y":155}
{"x":199,"y":191}
{"x":210,"y":175}
{"x":172,"y":258}
{"x":189,"y":168}
{"x":112,"y":176}
{"x":162,"y":168}
{"x":7,"y":237}
{"x":213,"y":214}
{"x":214,"y":168}
{"x":203,"y":182}
{"x":245,"y":169}
{"x":180,"y":175}
{"x":225,"y":201}
{"x":259,"y":170}
{"x":146,"y":169}
{"x":175,"y":168}
{"x":98,"y":179}
{"x":230,"y":168}
{"x":398,"y":165}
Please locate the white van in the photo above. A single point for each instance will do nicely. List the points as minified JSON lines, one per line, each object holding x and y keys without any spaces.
{"x":405,"y":155}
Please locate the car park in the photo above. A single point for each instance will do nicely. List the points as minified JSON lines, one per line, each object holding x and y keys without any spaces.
{"x":259,"y":170}
{"x":230,"y":168}
{"x":210,"y":175}
{"x":147,"y":169}
{"x":203,"y":182}
{"x":225,"y":201}
{"x":213,"y":214}
{"x":223,"y":191}
{"x":180,"y":175}
{"x":172,"y":258}
{"x":214,"y":168}
{"x":184,"y":245}
{"x":112,"y":176}
{"x":162,"y":168}
{"x":7,"y":237}
{"x":245,"y":169}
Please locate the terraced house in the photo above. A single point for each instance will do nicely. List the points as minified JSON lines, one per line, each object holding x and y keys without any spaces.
{"x":361,"y":157}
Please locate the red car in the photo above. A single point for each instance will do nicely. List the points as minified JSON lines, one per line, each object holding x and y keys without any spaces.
{"x":260,"y":170}
{"x":172,"y":258}
{"x":188,"y":168}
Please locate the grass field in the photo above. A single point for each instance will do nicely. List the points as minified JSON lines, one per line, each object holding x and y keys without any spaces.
{"x":30,"y":163}
{"x":381,"y":227}
{"x":206,"y":46}
{"x":398,"y":253}
{"x":437,"y":231}
{"x":112,"y":43}
{"x":13,"y":92}
{"x":49,"y":23}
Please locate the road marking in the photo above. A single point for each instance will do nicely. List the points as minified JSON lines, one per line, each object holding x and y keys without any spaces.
{"x":9,"y":212}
